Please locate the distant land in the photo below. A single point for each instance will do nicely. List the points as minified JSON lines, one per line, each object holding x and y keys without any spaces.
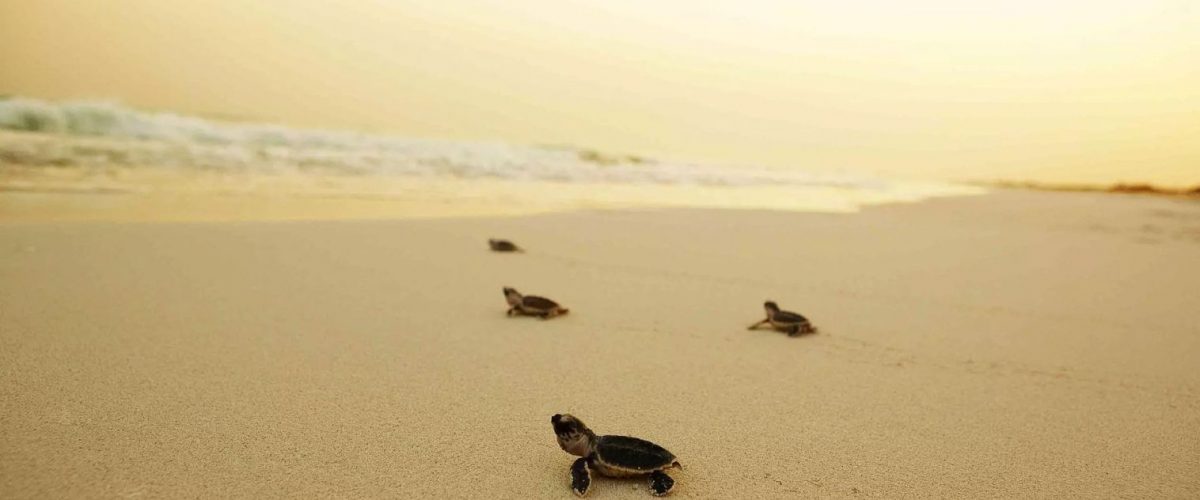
{"x":1121,"y":187}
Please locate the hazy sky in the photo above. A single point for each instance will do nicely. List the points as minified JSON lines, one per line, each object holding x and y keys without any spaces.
{"x":1042,"y":89}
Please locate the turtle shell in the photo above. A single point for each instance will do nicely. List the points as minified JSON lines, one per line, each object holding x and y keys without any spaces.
{"x":788,"y":317}
{"x":502,"y":245}
{"x":631,"y":455}
{"x":538,"y":303}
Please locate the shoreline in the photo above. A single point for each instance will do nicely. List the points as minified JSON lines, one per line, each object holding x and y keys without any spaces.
{"x":429,"y":198}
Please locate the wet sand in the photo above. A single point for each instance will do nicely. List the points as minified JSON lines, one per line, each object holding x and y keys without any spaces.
{"x":1016,"y":344}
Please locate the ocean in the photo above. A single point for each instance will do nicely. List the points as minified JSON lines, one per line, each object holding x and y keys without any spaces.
{"x":105,"y":147}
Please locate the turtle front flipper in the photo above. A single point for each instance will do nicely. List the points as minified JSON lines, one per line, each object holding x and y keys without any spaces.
{"x":660,"y":483}
{"x":756,"y":325}
{"x":581,"y":477}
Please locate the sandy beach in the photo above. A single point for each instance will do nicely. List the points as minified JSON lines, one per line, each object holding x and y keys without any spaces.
{"x":244,"y":251}
{"x":1010,"y":345}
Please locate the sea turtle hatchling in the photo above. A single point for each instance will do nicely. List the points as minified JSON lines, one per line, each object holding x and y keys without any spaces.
{"x":498,"y":245}
{"x":532,"y":305}
{"x":785,"y":321}
{"x":613,"y":456}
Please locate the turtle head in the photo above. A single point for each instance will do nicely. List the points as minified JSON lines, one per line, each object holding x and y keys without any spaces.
{"x":573,"y":436}
{"x":512,"y":296}
{"x":771,"y":307}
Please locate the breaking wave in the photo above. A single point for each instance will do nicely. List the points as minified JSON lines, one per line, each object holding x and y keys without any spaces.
{"x":97,"y":134}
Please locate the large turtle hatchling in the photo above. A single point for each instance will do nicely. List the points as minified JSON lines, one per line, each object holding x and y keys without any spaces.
{"x":532,"y":305}
{"x":613,"y":456}
{"x":785,"y":321}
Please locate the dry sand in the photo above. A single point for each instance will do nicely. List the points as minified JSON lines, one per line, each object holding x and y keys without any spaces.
{"x":1010,"y":345}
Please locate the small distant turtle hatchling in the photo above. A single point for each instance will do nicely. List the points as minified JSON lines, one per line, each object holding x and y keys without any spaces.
{"x":785,"y":321}
{"x":498,"y":245}
{"x":532,"y":305}
{"x":613,"y":456}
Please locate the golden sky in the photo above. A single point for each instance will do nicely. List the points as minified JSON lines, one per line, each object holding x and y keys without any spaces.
{"x":1054,"y":90}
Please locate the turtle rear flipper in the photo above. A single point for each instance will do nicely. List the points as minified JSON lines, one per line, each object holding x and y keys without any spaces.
{"x":554,"y":312}
{"x":581,"y":477}
{"x":801,"y":329}
{"x":660,"y":483}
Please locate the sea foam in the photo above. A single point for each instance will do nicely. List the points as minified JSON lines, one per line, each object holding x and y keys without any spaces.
{"x":102,"y":134}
